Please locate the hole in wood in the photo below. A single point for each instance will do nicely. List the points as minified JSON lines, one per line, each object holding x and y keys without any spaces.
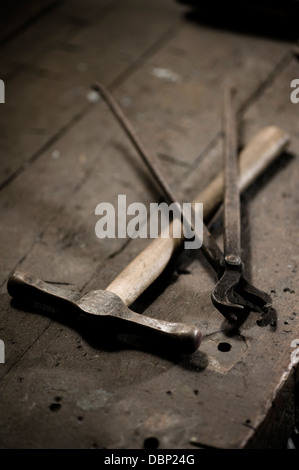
{"x":224,"y":347}
{"x":55,"y":406}
{"x":151,"y":443}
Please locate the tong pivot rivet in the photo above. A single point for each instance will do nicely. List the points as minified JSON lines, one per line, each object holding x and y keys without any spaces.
{"x":233,"y":260}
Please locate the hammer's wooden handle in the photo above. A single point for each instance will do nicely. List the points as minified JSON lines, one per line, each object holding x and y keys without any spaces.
{"x":150,"y":263}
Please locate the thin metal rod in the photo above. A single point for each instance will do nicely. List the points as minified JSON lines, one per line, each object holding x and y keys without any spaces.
{"x":151,"y":163}
{"x":232,"y":219}
{"x":210,"y":248}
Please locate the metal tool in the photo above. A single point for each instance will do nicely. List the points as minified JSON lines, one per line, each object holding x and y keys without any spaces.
{"x":233,"y":294}
{"x":107,"y":308}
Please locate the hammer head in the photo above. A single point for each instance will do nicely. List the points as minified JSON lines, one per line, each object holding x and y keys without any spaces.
{"x":105,"y":304}
{"x":106,"y":308}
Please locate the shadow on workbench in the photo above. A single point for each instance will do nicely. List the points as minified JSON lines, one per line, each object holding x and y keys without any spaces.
{"x":109,"y":339}
{"x":274,"y":19}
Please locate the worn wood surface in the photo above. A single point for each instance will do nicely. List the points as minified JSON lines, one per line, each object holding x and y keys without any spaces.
{"x":63,"y":386}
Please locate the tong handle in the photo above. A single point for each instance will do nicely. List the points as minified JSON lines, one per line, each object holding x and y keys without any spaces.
{"x":232,"y":223}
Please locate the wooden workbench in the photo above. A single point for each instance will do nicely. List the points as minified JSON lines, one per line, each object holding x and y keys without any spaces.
{"x":62,"y":153}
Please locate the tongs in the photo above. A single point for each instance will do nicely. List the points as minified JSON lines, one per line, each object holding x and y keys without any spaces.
{"x":233,"y":295}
